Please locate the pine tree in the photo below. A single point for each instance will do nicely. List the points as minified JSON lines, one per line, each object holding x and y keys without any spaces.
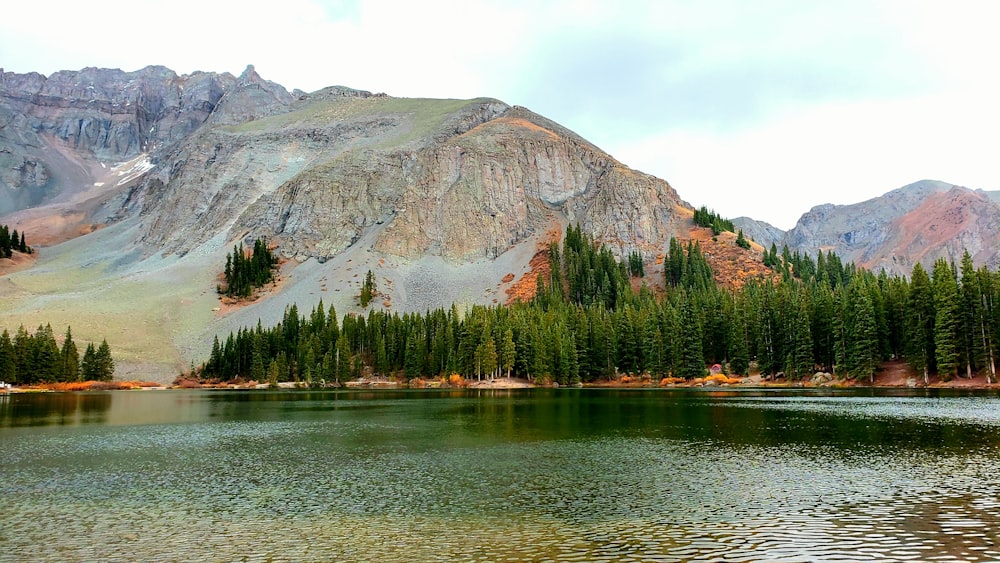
{"x":342,"y":359}
{"x":367,"y":289}
{"x":692,"y":360}
{"x":988,"y":291}
{"x":971,"y":345}
{"x":8,"y":363}
{"x":489,"y":359}
{"x":946,"y":319}
{"x":920,"y":322}
{"x":739,"y":355}
{"x":508,"y":352}
{"x":105,"y":363}
{"x":273,"y":374}
{"x":863,"y":334}
{"x":741,"y":241}
{"x":257,"y":360}
{"x":800,"y":358}
{"x":89,"y":368}
{"x":45,"y":361}
{"x":70,"y":358}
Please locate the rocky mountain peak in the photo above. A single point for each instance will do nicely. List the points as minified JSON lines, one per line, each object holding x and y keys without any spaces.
{"x":249,"y":76}
{"x":919,"y":222}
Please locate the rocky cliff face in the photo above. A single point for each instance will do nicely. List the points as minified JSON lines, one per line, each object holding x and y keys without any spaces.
{"x":59,"y":134}
{"x":464,"y":180}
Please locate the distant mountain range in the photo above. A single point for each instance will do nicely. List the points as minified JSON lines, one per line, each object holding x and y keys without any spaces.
{"x":920,"y":222}
{"x":137,"y":184}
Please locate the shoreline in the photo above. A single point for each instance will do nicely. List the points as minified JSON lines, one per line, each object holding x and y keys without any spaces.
{"x":754,"y":382}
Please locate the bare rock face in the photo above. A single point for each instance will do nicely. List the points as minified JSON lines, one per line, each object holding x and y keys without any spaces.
{"x":114,"y":114}
{"x":464,"y":180}
{"x":58,"y":133}
{"x":917,"y":223}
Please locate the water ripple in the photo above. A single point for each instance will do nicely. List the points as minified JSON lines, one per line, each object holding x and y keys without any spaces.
{"x":406,"y":487}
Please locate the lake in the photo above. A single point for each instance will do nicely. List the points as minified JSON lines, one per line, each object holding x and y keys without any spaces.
{"x":500,"y":475}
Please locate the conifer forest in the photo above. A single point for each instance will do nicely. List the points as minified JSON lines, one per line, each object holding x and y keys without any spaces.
{"x":588,"y":322}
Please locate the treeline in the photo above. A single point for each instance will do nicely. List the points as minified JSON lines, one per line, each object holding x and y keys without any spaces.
{"x":37,"y":358}
{"x":587,"y":322}
{"x":11,"y":241}
{"x":704,"y":217}
{"x":244,"y":273}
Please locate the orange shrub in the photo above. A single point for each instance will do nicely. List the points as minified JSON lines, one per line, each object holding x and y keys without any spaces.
{"x":671,"y":380}
{"x":108,"y":385}
{"x":456,"y":380}
{"x":68,"y":386}
{"x":722,"y":378}
{"x":185,"y":383}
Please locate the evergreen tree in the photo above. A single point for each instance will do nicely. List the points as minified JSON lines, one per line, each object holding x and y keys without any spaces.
{"x":920,"y":323}
{"x":88,"y":365}
{"x":508,"y":351}
{"x":45,"y":361}
{"x":368,"y":289}
{"x":257,"y":360}
{"x":741,"y":241}
{"x":105,"y":363}
{"x":692,"y":360}
{"x":799,"y":350}
{"x":342,"y":360}
{"x":244,"y":273}
{"x":970,"y":318}
{"x":70,"y":358}
{"x":739,"y":355}
{"x":946,"y":319}
{"x":8,"y":363}
{"x":489,"y":358}
{"x":863,"y":334}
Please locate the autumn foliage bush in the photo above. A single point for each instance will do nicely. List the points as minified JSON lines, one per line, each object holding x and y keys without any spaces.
{"x":671,"y":380}
{"x":67,"y":386}
{"x":456,"y":380}
{"x":722,"y":378}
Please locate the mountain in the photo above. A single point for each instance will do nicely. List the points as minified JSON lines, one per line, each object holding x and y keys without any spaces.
{"x":919,"y":222}
{"x":135,"y":185}
{"x":444,"y":200}
{"x":761,"y":232}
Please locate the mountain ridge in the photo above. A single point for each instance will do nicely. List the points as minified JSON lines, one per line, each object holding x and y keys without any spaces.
{"x":142,"y":181}
{"x":444,"y":200}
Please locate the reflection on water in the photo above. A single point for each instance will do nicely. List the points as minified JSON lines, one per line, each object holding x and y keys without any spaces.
{"x":562,"y":475}
{"x":56,"y":408}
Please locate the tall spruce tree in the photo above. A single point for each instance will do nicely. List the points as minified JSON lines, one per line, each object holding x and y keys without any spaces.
{"x":70,"y":358}
{"x":920,"y":323}
{"x":692,"y":360}
{"x":946,"y":319}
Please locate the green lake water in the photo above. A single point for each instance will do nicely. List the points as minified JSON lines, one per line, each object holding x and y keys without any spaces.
{"x":519,"y":475}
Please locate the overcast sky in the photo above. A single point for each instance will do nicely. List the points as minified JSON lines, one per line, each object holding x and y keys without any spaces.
{"x":759,"y":108}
